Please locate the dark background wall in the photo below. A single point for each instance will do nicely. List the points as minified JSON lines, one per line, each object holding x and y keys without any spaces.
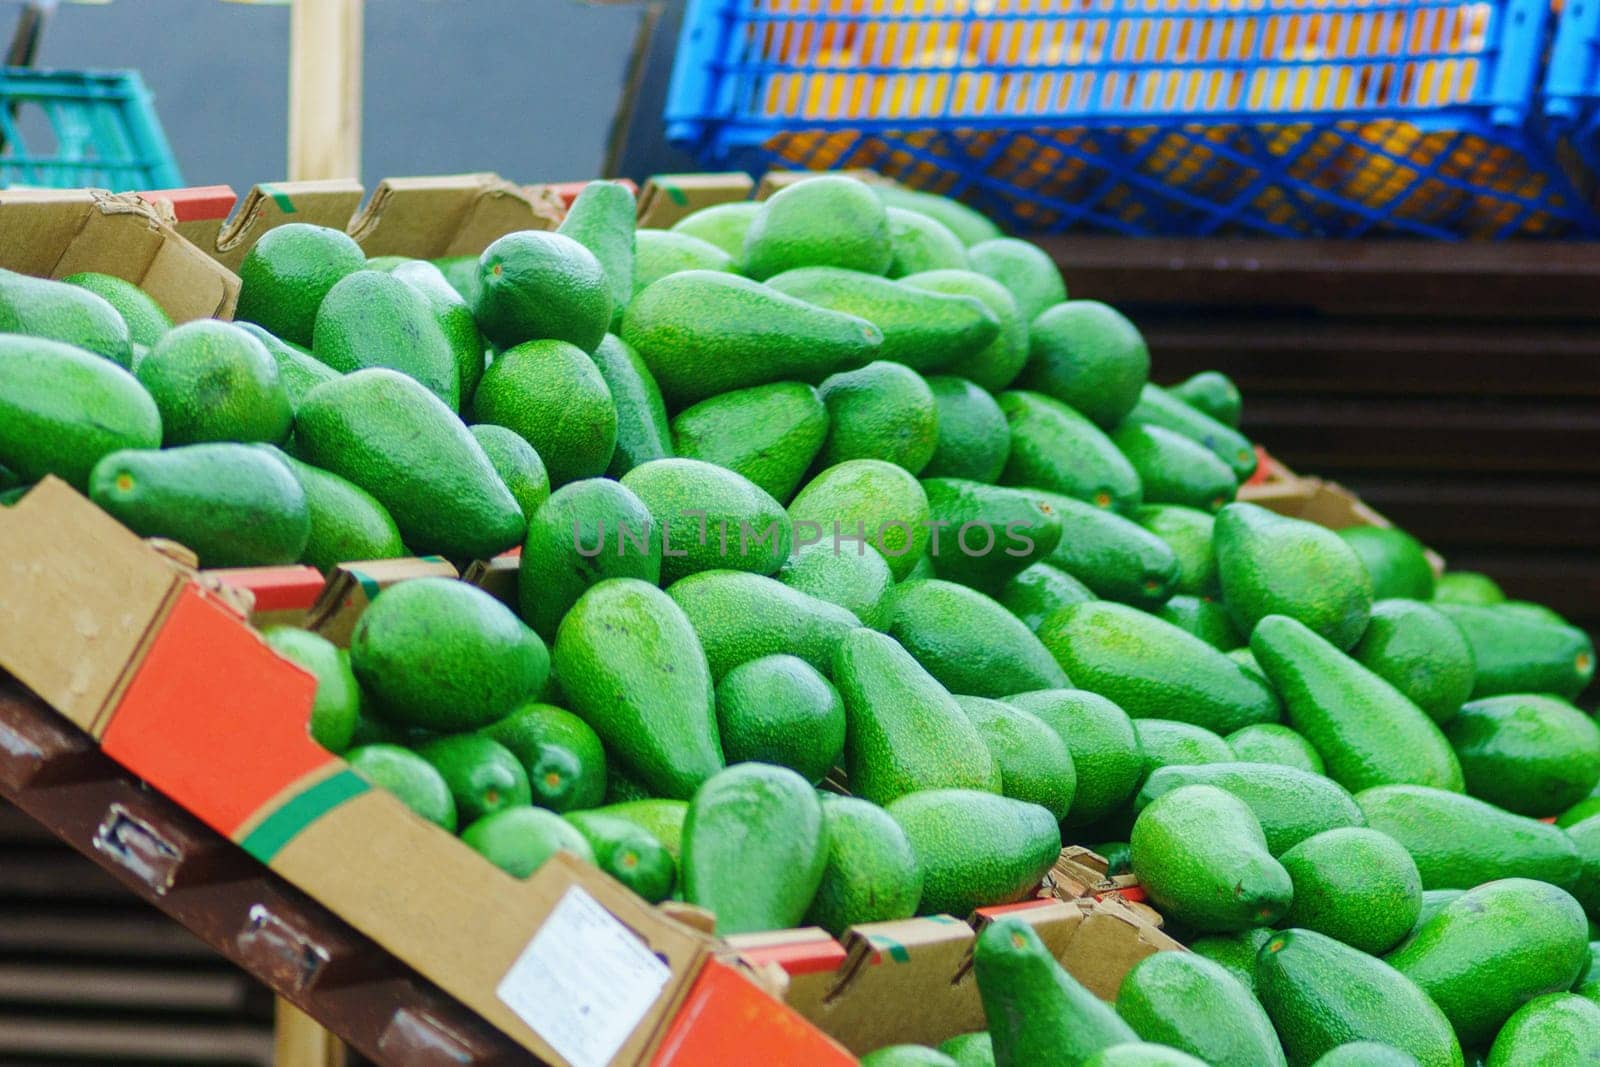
{"x":528,"y":88}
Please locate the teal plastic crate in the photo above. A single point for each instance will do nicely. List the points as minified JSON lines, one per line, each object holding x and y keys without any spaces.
{"x":1289,"y":117}
{"x":67,"y":129}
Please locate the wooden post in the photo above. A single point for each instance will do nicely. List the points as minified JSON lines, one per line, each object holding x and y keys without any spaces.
{"x":299,"y":1042}
{"x":325,"y":89}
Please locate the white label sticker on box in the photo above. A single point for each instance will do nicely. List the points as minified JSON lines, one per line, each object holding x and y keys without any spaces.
{"x":584,"y":982}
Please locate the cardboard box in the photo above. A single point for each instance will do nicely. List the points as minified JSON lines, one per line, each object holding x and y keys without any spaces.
{"x":279,"y":596}
{"x":497,"y":577}
{"x":51,"y":233}
{"x":666,"y":198}
{"x":1325,"y":503}
{"x":774,"y":180}
{"x":911,"y":981}
{"x":425,"y":217}
{"x":173,"y":684}
{"x":352,"y":586}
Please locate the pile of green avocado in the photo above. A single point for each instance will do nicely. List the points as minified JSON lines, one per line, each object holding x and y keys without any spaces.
{"x":860,"y":568}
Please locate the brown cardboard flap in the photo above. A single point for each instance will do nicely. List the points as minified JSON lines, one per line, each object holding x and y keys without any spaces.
{"x":1079,"y":872}
{"x":774,"y":180}
{"x":449,"y":215}
{"x":497,"y":577}
{"x":54,"y":233}
{"x":442,"y":908}
{"x":666,"y":198}
{"x":351,"y":587}
{"x":80,"y":598}
{"x":322,"y":203}
{"x":1109,"y":941}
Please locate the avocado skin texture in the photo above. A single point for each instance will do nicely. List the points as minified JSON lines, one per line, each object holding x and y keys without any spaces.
{"x":643,"y":432}
{"x":628,"y":853}
{"x":738,"y":616}
{"x":779,"y":709}
{"x":703,"y":333}
{"x":601,"y":219}
{"x":1235,"y":952}
{"x":906,"y":1056}
{"x":1291,"y":805}
{"x":1233,"y":884}
{"x":1034,"y":763}
{"x":968,"y":642}
{"x":346,"y":522}
{"x":1178,"y":744}
{"x":1037,"y":1012}
{"x":829,"y":220}
{"x":334,"y":708}
{"x":710,"y":518}
{"x":1106,"y":757}
{"x":921,"y":243}
{"x":1394,"y":559}
{"x":387,"y":434}
{"x":865,"y":498}
{"x":1115,"y":557}
{"x":1355,"y":885}
{"x":540,"y":286}
{"x":974,"y":438}
{"x":409,"y":777}
{"x":540,"y":736}
{"x":722,"y":225}
{"x":1531,"y":755}
{"x":554,"y":397}
{"x":968,"y":225}
{"x":372,"y":319}
{"x":882,"y":411}
{"x":1156,"y":407}
{"x":71,"y":314}
{"x":997,"y":364}
{"x":63,"y":409}
{"x":520,"y":840}
{"x":146,"y":319}
{"x":905,"y":733}
{"x":1186,"y":1001}
{"x":298,"y":369}
{"x":1153,"y":670}
{"x":768,"y":433}
{"x":871,"y":874}
{"x":1366,"y":731}
{"x":922,"y":329}
{"x":1056,"y":449}
{"x":632,"y":669}
{"x":975,"y":848}
{"x":1271,"y":742}
{"x":454,"y":316}
{"x":483,"y":776}
{"x":1556,"y":1028}
{"x":860,"y":584}
{"x":1211,"y":393}
{"x":444,"y":655}
{"x":1321,"y":994}
{"x":517,"y":464}
{"x":1088,"y":356}
{"x":587,"y":531}
{"x":1273,"y":565}
{"x":1188,"y":532}
{"x":233,"y":505}
{"x":663,"y":819}
{"x":214,"y":382}
{"x":1585,"y":837}
{"x":966,"y":515}
{"x":1517,"y":654}
{"x":1417,"y":649}
{"x":1467,"y":587}
{"x":1206,"y":619}
{"x":1039,"y":590}
{"x":1175,"y":470}
{"x":1494,"y":948}
{"x":1025,"y":269}
{"x":754,"y":848}
{"x":287,"y":273}
{"x":1460,"y":842}
{"x":658,"y":253}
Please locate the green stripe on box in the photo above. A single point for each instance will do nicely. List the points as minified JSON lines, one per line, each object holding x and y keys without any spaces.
{"x":283,"y":825}
{"x":369,"y":586}
{"x":285,"y":205}
{"x":895,"y":949}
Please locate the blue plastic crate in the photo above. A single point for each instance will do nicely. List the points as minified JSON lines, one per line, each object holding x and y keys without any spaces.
{"x":1289,"y":117}
{"x":66,"y":129}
